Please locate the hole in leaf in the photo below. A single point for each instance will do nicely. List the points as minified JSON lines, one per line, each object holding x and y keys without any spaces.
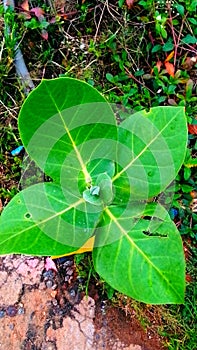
{"x":19,"y":201}
{"x":173,"y":127}
{"x":27,"y":216}
{"x":148,"y":218}
{"x":150,"y":173}
{"x":154,"y":234}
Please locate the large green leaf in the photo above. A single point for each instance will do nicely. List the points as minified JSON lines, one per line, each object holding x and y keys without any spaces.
{"x":151,"y":150}
{"x":64,"y":124}
{"x":73,"y":141}
{"x":41,"y":221}
{"x":139,"y":257}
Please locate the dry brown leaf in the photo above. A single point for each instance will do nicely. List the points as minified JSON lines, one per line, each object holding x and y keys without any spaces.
{"x":189,"y":62}
{"x":170,"y":68}
{"x":172,"y":102}
{"x":168,"y":58}
{"x":25,"y":5}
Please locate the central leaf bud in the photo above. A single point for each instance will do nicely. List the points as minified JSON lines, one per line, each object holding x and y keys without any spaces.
{"x":101,"y":193}
{"x":94,"y":190}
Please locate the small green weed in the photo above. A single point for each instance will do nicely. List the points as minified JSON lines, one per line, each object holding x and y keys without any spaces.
{"x":180,"y":321}
{"x":86,"y":272}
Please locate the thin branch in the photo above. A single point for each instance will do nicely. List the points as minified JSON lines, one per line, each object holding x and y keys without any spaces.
{"x":99,"y":23}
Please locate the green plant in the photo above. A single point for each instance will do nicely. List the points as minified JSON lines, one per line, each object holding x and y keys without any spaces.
{"x":179,"y":321}
{"x":104,"y":179}
{"x":33,"y":23}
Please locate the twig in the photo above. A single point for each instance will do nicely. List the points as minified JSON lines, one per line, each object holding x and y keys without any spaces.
{"x":173,"y":33}
{"x":109,"y":9}
{"x":19,"y":62}
{"x":130,"y":75}
{"x":2,"y":47}
{"x":99,"y":23}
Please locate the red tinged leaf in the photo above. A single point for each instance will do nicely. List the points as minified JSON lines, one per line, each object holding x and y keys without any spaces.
{"x":188,"y":277}
{"x":53,"y":20}
{"x":130,"y":3}
{"x":38,"y":12}
{"x":158,"y":65}
{"x":26,"y":14}
{"x":64,"y":16}
{"x":192,"y":128}
{"x":25,"y":5}
{"x":44,"y":34}
{"x":170,"y":68}
{"x":172,"y":102}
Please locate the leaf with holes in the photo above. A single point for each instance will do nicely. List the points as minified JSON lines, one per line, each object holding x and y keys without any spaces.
{"x":144,"y":258}
{"x":73,"y":141}
{"x":45,"y":219}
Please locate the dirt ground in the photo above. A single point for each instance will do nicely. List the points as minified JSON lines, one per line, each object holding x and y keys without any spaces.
{"x":43,"y":309}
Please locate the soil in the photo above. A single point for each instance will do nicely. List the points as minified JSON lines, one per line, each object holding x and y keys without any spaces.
{"x":42,"y":308}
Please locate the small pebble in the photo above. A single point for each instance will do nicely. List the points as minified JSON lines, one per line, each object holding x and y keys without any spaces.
{"x":48,"y":274}
{"x":80,"y":279}
{"x":49,"y":284}
{"x":2,"y":313}
{"x":54,"y":286}
{"x":42,"y":286}
{"x":60,"y":312}
{"x":69,"y":271}
{"x":48,"y":346}
{"x":53,"y":293}
{"x":68,"y":263}
{"x":72,"y":293}
{"x":21,"y":311}
{"x":54,"y":301}
{"x":97,"y":336}
{"x":11,"y":326}
{"x":11,"y":311}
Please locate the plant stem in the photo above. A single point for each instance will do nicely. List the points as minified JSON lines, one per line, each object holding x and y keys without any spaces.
{"x":19,"y":62}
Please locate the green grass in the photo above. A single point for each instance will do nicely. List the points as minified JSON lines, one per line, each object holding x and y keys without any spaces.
{"x":122,"y":53}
